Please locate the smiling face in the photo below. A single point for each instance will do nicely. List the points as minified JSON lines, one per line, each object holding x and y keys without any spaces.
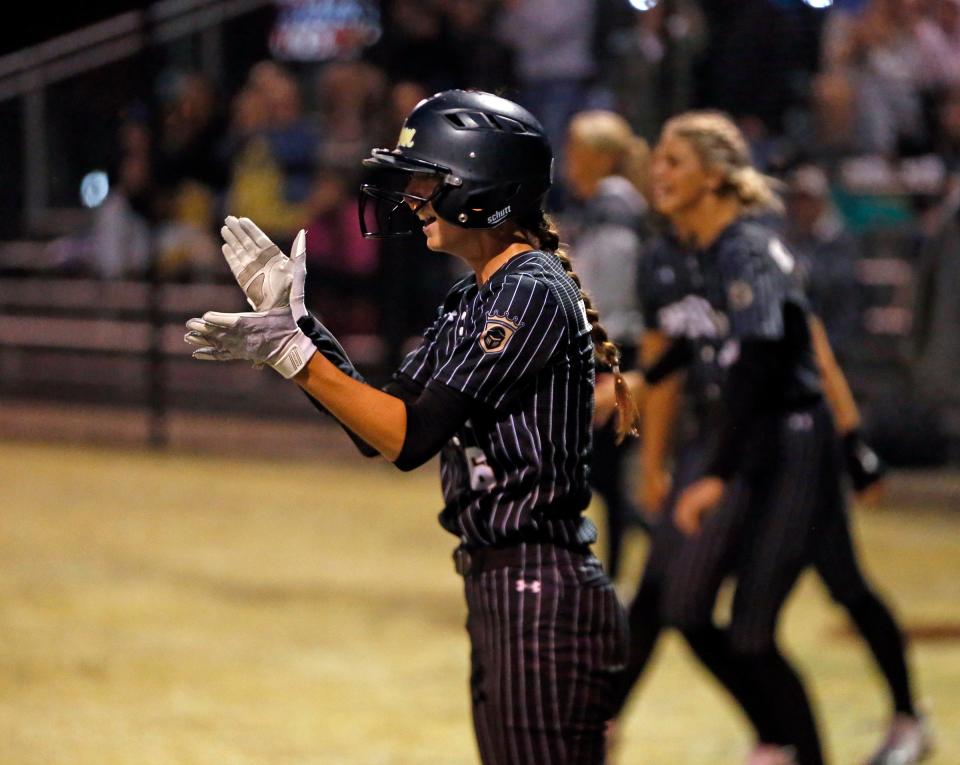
{"x":679,"y":179}
{"x":441,"y":235}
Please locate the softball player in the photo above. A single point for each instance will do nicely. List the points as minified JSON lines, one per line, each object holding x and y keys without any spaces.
{"x":606,"y":167}
{"x":501,"y":387}
{"x":682,"y":584}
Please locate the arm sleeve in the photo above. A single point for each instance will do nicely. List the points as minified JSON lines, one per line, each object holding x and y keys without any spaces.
{"x":522,"y":326}
{"x":402,"y":387}
{"x":432,"y":419}
{"x":752,"y":374}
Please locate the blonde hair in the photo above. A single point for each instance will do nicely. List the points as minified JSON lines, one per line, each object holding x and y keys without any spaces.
{"x":721,"y":146}
{"x":610,"y":133}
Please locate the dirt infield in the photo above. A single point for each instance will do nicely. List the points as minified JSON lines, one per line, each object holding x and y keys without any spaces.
{"x":190,"y":607}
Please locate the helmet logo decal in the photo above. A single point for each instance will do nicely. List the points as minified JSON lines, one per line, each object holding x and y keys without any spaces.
{"x":498,"y":216}
{"x":405,"y":141}
{"x":497,"y":333}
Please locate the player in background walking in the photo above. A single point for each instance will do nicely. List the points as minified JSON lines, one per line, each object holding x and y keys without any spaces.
{"x":501,"y":387}
{"x":703,"y":157}
{"x":606,"y":167}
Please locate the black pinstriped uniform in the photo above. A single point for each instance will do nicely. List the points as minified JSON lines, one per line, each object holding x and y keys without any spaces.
{"x":786,"y":466}
{"x":739,"y":292}
{"x":735,"y":291}
{"x":547,"y":632}
{"x":669,"y":274}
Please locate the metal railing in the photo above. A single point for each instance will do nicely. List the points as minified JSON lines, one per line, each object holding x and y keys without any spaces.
{"x":29,"y":73}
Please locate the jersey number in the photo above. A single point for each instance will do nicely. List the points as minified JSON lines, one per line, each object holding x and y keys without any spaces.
{"x":481,"y":474}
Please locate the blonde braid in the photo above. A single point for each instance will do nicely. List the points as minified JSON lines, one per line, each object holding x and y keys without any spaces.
{"x":605,"y":351}
{"x":721,"y":145}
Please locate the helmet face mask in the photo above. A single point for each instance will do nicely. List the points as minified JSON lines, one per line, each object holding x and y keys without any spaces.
{"x":491,"y":157}
{"x":387,"y":209}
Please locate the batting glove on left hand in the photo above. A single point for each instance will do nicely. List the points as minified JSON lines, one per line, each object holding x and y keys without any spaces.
{"x":270,"y":337}
{"x":263,"y":272}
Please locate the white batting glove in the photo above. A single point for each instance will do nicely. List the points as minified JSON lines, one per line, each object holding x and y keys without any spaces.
{"x":263,"y":337}
{"x":269,"y":337}
{"x":263,"y":272}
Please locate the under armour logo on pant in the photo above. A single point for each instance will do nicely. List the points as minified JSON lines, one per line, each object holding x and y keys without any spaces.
{"x":533,"y":586}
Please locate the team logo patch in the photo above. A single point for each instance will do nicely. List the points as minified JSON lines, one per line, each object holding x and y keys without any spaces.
{"x":740,"y":295}
{"x":405,"y":141}
{"x":497,"y":333}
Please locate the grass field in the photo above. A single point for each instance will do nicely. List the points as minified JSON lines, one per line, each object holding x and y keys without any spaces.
{"x":196,"y":609}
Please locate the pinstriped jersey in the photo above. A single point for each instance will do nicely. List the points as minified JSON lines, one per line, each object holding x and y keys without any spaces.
{"x":669,"y":274}
{"x":738,"y":289}
{"x":751,"y":280}
{"x":519,"y":346}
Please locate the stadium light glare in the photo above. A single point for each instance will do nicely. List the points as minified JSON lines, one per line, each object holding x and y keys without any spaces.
{"x":643,"y":5}
{"x":94,"y":188}
{"x":819,"y":4}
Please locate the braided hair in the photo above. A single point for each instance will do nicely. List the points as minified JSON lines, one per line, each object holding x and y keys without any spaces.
{"x":545,"y":235}
{"x":721,"y":145}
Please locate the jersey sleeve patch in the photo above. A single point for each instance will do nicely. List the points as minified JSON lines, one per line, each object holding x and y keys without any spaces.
{"x":497,"y":332}
{"x":740,"y":295}
{"x":519,"y":326}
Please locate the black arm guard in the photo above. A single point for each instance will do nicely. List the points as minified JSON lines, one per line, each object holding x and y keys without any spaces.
{"x":329,"y":347}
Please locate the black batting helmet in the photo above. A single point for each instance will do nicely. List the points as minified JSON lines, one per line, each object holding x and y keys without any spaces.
{"x":491,"y":156}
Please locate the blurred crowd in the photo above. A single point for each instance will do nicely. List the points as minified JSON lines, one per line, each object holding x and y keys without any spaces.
{"x":856,"y":107}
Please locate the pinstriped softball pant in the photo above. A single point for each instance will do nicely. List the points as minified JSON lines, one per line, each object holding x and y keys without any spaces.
{"x":548,"y":637}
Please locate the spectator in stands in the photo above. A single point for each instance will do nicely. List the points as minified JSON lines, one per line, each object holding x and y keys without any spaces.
{"x":647,"y":60}
{"x":414,"y":45}
{"x":350,"y":97}
{"x":249,"y":115}
{"x":826,"y":255}
{"x":872,"y":78}
{"x":552,"y":41}
{"x":189,"y":176}
{"x":481,"y":61}
{"x":937,"y":315}
{"x":273,"y":170}
{"x":948,"y":130}
{"x":344,"y":266}
{"x":191,"y":128}
{"x":120,"y":242}
{"x":750,"y":58}
{"x":404,"y":95}
{"x":938,"y":34}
